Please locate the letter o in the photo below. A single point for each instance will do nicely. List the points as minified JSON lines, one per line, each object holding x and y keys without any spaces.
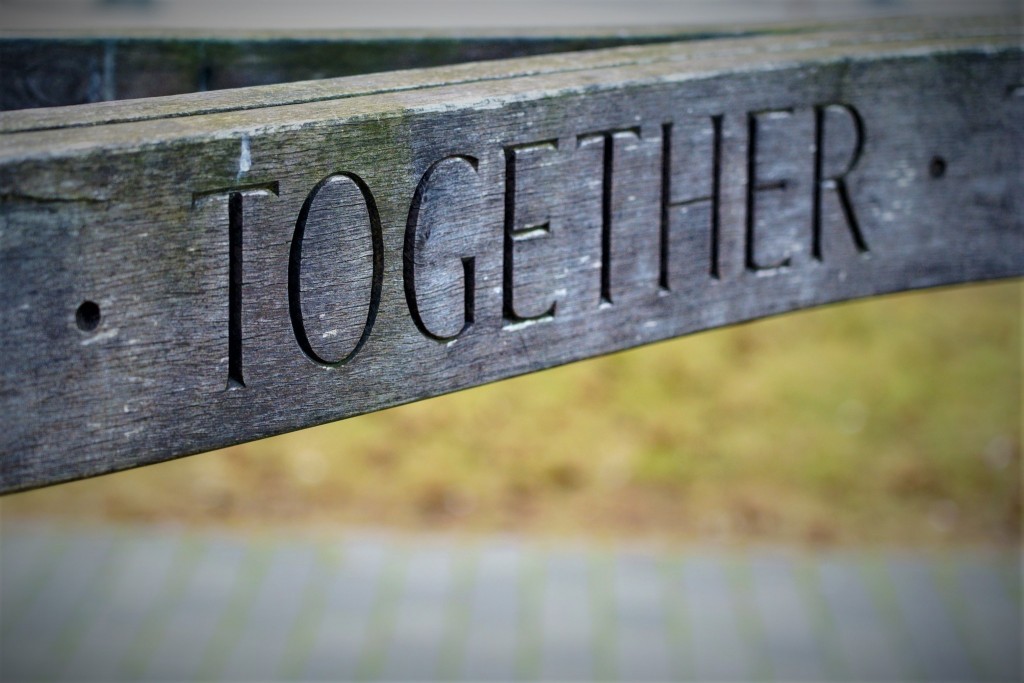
{"x":295,"y":293}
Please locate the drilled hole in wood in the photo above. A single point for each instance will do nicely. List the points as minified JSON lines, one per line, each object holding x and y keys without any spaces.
{"x":88,"y":316}
{"x":937,"y":167}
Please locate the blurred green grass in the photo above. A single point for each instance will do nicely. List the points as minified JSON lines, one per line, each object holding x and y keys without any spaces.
{"x":892,"y":420}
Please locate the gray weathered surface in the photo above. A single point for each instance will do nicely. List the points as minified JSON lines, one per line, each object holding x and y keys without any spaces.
{"x":57,"y":70}
{"x":262,"y":268}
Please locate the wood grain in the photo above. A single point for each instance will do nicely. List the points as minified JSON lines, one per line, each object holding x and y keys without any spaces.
{"x":264,"y":265}
{"x":55,"y":69}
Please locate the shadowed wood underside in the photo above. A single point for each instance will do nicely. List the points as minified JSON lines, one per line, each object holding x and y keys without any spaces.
{"x":190,"y":272}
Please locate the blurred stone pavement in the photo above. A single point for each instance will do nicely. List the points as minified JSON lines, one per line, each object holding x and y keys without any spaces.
{"x":155,"y":603}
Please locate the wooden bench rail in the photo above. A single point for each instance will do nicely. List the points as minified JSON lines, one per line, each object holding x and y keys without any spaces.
{"x":53,"y":70}
{"x":190,"y":272}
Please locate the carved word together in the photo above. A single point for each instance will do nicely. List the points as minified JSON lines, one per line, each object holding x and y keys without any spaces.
{"x":685,"y":185}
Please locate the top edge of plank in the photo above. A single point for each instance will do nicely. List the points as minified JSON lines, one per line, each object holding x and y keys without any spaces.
{"x":410,"y":93}
{"x":978,"y":29}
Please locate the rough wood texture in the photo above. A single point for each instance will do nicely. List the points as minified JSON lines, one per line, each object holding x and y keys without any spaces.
{"x":52,"y":69}
{"x":193,"y":272}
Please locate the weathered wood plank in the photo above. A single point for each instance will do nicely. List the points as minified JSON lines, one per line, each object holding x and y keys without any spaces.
{"x":777,"y":39}
{"x":52,"y":69}
{"x":177,"y":281}
{"x":57,"y":69}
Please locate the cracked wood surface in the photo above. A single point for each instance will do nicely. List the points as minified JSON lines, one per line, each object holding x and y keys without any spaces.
{"x":190,"y":272}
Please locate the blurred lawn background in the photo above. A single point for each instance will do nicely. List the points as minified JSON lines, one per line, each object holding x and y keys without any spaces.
{"x":890,"y":421}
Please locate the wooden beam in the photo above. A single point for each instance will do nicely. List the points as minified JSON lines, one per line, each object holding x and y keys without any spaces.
{"x":191,"y":272}
{"x":55,"y":68}
{"x":59,"y":69}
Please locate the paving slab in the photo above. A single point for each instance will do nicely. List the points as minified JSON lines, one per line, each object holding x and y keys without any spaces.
{"x":151,"y":603}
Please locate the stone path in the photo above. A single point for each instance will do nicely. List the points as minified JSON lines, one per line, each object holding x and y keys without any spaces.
{"x":157,"y":604}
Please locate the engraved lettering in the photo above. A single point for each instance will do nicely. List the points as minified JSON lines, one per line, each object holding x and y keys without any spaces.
{"x":756,"y":185}
{"x":235,"y":236}
{"x":670,"y":202}
{"x":236,"y":218}
{"x":607,"y":138}
{"x":332,"y":209}
{"x":836,"y":181}
{"x":665,"y":234}
{"x":514,"y":233}
{"x":413,"y":238}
